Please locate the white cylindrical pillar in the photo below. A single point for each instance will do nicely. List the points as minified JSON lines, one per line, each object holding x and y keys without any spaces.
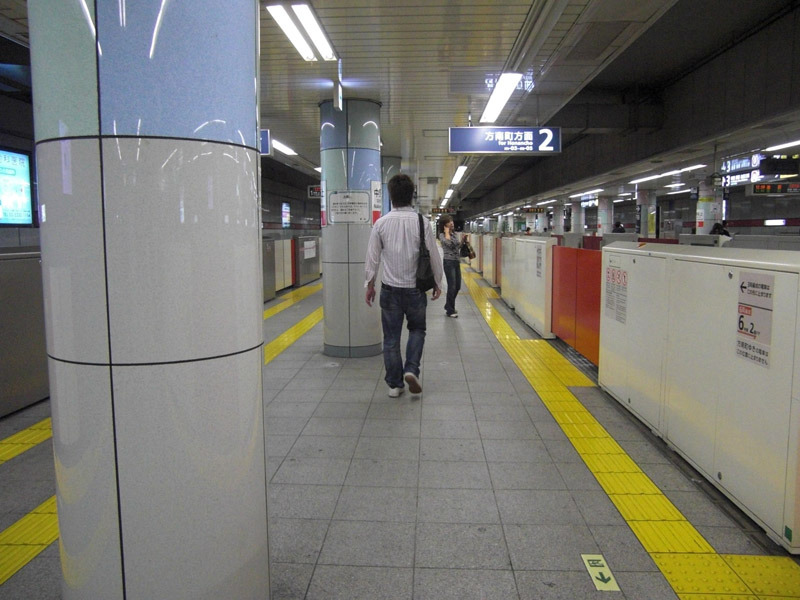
{"x":603,"y":215}
{"x":709,"y":209}
{"x":148,"y":173}
{"x":351,"y":175}
{"x":578,"y":218}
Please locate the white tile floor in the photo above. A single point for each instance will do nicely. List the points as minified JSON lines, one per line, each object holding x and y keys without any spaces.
{"x":469,"y":491}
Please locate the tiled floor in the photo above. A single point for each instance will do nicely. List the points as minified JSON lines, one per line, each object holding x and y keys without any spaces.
{"x":470,"y":491}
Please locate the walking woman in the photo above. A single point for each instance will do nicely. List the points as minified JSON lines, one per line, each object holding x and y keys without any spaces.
{"x":452,"y":264}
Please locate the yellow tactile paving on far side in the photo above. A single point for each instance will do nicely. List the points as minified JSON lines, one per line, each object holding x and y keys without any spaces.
{"x":291,"y":298}
{"x":291,"y":335}
{"x":688,"y":562}
{"x":24,"y":440}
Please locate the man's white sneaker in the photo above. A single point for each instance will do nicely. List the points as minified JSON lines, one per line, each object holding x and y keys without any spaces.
{"x":395,"y":392}
{"x":414,"y":386}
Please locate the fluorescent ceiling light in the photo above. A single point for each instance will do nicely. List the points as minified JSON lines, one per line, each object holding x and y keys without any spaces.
{"x":618,"y":200}
{"x":444,"y":203}
{"x":626,"y":194}
{"x":643,"y":179}
{"x":448,"y":193}
{"x":678,"y":192}
{"x":782,"y":146}
{"x":597,"y":191}
{"x":673,"y":185}
{"x":667,"y":174}
{"x":314,"y":31}
{"x":459,"y":174}
{"x":774,"y":222}
{"x":318,"y":169}
{"x":283,"y":148}
{"x":283,"y":19}
{"x":545,"y":202}
{"x":527,"y":206}
{"x":509,"y":214}
{"x":503,"y":89}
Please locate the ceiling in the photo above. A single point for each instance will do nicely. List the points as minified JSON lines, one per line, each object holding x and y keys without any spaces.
{"x":429,"y":63}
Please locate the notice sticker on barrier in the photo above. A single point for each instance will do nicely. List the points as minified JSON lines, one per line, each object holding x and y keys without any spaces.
{"x":349,"y":207}
{"x":616,"y":300}
{"x":539,"y":261}
{"x":754,"y":317}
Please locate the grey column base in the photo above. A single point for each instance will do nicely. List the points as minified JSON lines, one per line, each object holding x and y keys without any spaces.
{"x":352,"y":351}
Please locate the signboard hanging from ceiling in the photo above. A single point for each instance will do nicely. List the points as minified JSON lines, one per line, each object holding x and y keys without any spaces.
{"x":505,"y":140}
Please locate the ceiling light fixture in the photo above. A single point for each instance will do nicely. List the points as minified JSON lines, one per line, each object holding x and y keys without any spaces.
{"x":503,"y":89}
{"x":283,"y":148}
{"x":459,"y":174}
{"x":545,"y":202}
{"x":283,"y":19}
{"x":597,"y":191}
{"x":678,"y":192}
{"x":314,"y":31}
{"x":667,"y":174}
{"x":448,"y":193}
{"x":782,"y":146}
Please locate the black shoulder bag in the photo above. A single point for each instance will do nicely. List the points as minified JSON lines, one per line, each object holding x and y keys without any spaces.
{"x":425,"y":279}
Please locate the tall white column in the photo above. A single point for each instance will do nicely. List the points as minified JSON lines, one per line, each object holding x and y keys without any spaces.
{"x":603,"y":215}
{"x":351,"y":174}
{"x":148,"y":169}
{"x":709,"y":209}
{"x":646,"y":213}
{"x":578,"y":218}
{"x":558,"y":219}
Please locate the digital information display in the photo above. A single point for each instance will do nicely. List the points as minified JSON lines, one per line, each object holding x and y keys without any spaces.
{"x":16,"y":207}
{"x":776,"y":188}
{"x":505,"y":140}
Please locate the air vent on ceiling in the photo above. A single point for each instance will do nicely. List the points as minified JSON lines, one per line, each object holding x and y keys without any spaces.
{"x":595,"y":41}
{"x":433,"y":180}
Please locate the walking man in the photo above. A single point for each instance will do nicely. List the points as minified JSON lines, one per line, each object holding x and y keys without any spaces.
{"x":395,"y":240}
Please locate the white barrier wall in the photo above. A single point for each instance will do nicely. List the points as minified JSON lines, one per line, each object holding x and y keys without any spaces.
{"x":701,"y":344}
{"x":533,"y":282}
{"x":509,"y":278}
{"x":487,"y":245}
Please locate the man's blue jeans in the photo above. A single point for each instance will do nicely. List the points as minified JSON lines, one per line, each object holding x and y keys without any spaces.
{"x":397,"y":304}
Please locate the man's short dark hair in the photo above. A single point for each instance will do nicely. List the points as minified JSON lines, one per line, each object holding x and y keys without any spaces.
{"x":401,"y":190}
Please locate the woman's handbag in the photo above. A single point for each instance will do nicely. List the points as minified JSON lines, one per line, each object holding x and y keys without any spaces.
{"x":425,"y":279}
{"x":465,"y":249}
{"x":471,"y":252}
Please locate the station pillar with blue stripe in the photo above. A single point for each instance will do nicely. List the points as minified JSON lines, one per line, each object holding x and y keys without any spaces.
{"x":146,"y":133}
{"x":352,"y":193}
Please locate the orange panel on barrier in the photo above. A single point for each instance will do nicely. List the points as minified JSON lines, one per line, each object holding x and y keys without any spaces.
{"x":565,"y":262}
{"x":587,"y":309}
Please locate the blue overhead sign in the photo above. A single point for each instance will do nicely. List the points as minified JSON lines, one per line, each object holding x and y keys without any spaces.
{"x":505,"y":140}
{"x":265,"y":145}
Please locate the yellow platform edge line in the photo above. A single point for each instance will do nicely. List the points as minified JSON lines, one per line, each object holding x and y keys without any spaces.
{"x":291,"y":335}
{"x":669,"y":532}
{"x":290,"y":299}
{"x":24,"y":540}
{"x":26,"y":439}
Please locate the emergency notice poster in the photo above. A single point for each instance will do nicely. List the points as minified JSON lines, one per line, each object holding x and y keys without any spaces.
{"x":754,"y":318}
{"x":616,"y":300}
{"x":349,"y":207}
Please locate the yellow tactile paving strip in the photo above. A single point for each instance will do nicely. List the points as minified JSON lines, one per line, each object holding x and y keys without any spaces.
{"x":26,"y":538}
{"x":688,"y":562}
{"x":291,"y":335}
{"x":24,"y":440}
{"x":291,"y":298}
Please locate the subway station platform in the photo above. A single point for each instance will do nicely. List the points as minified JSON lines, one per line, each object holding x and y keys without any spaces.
{"x":512,"y":476}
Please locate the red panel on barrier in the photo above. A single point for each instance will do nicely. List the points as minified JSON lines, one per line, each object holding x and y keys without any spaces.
{"x":591,"y":242}
{"x":564,"y":293}
{"x":587,"y":309}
